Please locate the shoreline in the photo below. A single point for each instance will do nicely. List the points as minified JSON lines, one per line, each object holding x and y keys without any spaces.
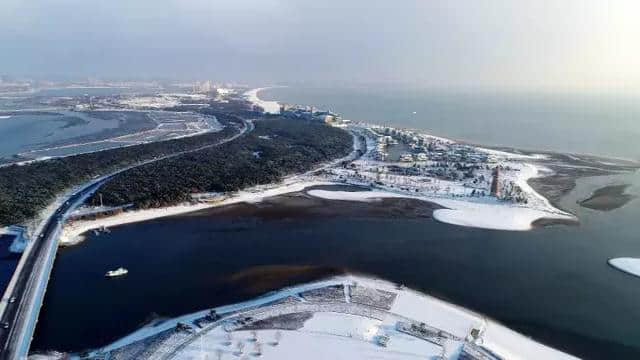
{"x":607,"y":198}
{"x":72,"y":235}
{"x":495,"y":216}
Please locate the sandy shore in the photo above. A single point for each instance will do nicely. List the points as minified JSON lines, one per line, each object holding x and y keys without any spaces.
{"x":71,"y":234}
{"x":405,"y":304}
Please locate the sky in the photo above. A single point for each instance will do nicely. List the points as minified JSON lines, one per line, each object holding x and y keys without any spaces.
{"x":568,"y":44}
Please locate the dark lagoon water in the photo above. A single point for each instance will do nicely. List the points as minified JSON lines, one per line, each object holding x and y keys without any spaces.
{"x":551,"y":283}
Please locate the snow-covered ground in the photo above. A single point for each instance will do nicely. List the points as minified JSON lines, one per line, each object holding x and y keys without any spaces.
{"x":467,"y":199}
{"x":270,"y":107}
{"x":626,"y":264}
{"x":324,"y":326}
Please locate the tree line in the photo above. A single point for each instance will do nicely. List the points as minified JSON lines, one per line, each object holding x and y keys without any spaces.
{"x":277,"y":147}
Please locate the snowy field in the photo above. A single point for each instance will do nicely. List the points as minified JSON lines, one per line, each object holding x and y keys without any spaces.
{"x":629,"y":265}
{"x":72,"y":232}
{"x":286,"y":325}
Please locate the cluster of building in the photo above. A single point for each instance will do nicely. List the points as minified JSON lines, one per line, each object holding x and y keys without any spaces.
{"x":406,"y":160}
{"x":311,"y":113}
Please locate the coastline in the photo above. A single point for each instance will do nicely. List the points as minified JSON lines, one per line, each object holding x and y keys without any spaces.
{"x":495,"y":215}
{"x":482,"y":213}
{"x":463,"y":213}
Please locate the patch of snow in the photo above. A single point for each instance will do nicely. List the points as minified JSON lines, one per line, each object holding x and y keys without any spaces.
{"x":626,"y":264}
{"x":512,"y":155}
{"x":150,"y":102}
{"x":336,"y":332}
{"x":18,"y":245}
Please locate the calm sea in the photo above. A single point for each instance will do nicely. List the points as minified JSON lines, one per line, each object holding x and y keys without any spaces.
{"x":579,"y":123}
{"x":551,"y":283}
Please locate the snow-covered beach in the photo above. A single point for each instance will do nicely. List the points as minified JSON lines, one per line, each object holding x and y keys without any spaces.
{"x":270,"y":107}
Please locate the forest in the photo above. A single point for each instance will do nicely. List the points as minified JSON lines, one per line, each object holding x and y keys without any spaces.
{"x":27,"y":189}
{"x":277,"y":147}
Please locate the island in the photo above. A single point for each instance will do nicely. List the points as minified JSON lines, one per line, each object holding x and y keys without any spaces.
{"x":607,"y":198}
{"x":628,"y":265}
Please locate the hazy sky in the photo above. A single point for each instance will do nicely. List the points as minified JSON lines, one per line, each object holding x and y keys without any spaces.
{"x":592,"y":44}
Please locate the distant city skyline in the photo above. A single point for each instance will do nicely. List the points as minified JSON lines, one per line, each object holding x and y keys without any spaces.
{"x":574,"y":44}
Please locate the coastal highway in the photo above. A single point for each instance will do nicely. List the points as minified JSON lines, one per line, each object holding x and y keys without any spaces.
{"x":23,"y":297}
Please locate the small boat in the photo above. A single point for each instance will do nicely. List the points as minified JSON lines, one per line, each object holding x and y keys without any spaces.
{"x":117,"y":272}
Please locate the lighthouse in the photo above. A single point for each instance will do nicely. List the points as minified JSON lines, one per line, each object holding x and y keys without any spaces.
{"x":495,"y":183}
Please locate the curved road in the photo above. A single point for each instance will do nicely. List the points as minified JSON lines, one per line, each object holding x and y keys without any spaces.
{"x":23,"y":297}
